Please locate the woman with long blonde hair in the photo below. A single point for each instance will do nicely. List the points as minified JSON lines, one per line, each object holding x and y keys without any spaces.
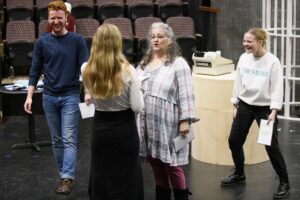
{"x":112,"y":85}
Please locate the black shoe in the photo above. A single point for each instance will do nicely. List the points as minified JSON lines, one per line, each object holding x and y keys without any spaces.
{"x":162,"y":193}
{"x":181,"y":194}
{"x":283,"y":190}
{"x":233,"y":178}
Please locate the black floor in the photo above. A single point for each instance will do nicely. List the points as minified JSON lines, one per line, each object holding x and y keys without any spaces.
{"x":29,"y":175}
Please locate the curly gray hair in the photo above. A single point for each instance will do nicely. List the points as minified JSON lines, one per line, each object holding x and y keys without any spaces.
{"x":173,"y":49}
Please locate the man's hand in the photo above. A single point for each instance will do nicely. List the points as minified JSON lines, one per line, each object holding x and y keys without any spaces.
{"x":27,"y":105}
{"x":28,"y":102}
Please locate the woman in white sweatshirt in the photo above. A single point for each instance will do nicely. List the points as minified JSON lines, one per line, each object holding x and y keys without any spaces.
{"x":257,"y":94}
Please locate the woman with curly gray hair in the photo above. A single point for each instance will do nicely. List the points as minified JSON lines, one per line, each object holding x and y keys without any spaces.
{"x":169,"y":111}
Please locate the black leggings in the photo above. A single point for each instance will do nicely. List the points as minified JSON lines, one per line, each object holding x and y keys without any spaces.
{"x":246,"y":114}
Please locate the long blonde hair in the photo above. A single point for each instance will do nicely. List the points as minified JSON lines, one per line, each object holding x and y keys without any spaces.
{"x":102,"y":76}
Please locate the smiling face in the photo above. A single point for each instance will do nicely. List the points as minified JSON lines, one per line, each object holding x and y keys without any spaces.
{"x":159,"y":40}
{"x":57,"y":19}
{"x":252,"y":45}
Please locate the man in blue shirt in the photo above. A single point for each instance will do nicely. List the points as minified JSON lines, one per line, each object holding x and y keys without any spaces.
{"x":61,"y":54}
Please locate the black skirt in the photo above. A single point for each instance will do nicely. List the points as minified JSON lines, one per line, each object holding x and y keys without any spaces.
{"x":115,"y":172}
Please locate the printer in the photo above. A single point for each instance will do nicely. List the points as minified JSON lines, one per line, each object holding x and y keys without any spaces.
{"x":211,"y":63}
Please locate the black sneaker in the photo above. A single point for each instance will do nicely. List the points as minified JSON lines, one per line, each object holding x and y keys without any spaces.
{"x":283,"y":191}
{"x":233,"y":178}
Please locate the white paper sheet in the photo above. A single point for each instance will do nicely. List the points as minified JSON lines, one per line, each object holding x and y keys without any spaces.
{"x":265,"y":132}
{"x":87,"y":110}
{"x":181,"y":141}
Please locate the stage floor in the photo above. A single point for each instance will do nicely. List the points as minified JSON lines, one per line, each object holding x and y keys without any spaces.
{"x":29,"y":175}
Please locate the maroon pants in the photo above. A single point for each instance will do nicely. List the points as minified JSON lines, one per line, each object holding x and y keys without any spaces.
{"x":165,"y":174}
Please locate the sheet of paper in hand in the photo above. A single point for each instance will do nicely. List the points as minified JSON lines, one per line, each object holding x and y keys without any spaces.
{"x":265,"y":132}
{"x":181,"y":141}
{"x":87,"y":110}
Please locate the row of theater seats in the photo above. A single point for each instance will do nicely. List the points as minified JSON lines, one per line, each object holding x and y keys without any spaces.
{"x":21,"y":35}
{"x":36,"y":10}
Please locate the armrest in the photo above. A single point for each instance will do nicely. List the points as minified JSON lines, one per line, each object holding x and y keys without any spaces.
{"x":208,"y":9}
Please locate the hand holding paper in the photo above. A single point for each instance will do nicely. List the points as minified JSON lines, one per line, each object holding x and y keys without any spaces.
{"x":265,"y":132}
{"x":87,"y":110}
{"x":181,"y":141}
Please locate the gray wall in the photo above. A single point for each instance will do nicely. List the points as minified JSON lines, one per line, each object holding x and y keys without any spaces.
{"x":230,"y":24}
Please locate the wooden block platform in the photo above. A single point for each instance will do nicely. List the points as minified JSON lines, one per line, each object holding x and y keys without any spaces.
{"x":213,"y":107}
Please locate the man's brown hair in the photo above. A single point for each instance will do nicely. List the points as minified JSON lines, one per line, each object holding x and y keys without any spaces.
{"x":57,"y":5}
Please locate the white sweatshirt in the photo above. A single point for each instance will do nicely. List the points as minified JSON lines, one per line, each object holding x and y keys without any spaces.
{"x":259,"y":81}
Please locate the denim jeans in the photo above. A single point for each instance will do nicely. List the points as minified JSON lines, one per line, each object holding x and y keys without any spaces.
{"x":62,"y":114}
{"x":246,"y":114}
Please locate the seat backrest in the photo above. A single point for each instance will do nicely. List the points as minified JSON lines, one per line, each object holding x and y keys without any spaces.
{"x":124,"y":25}
{"x":110,"y":2}
{"x":135,"y":2}
{"x":19,"y":4}
{"x":169,"y":8}
{"x":182,"y":26}
{"x":110,"y":9}
{"x":42,"y":9}
{"x":19,"y":9}
{"x":140,"y":8}
{"x":82,"y":8}
{"x":42,"y":3}
{"x":142,"y":26}
{"x":164,"y":2}
{"x":76,"y":3}
{"x":19,"y":45}
{"x":42,"y":28}
{"x":20,"y":30}
{"x":86,"y":27}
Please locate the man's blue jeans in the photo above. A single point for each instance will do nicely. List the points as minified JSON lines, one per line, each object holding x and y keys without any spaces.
{"x":62,"y":114}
